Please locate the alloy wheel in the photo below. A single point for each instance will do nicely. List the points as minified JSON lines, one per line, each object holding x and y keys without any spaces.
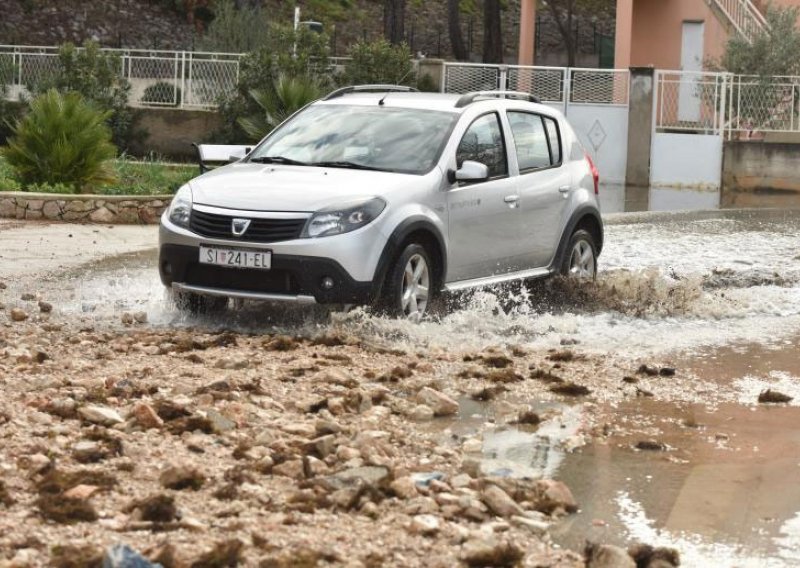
{"x":416,"y":286}
{"x":581,"y":262}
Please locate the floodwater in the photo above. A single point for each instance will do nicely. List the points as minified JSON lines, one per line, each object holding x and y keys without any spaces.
{"x":714,"y":293}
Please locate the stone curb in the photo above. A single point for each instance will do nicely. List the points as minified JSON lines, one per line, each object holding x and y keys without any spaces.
{"x":102,"y":209}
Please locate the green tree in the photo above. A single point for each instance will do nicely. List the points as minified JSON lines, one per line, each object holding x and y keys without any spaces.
{"x":236,"y":29}
{"x":97,"y":76}
{"x":62,"y":139}
{"x":379,"y":62}
{"x":287,"y":96}
{"x":774,"y":50}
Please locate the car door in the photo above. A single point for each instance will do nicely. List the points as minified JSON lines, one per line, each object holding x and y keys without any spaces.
{"x":482,"y":227}
{"x":543,"y":184}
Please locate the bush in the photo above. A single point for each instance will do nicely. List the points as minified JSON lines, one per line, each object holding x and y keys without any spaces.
{"x":426,"y":84}
{"x":773,"y":51}
{"x":96,"y":76}
{"x":162,"y":93}
{"x":149,"y":177}
{"x":278,"y":102}
{"x":9,"y":111}
{"x":260,"y":70}
{"x":379,"y":62}
{"x":62,"y":140}
{"x":236,"y":30}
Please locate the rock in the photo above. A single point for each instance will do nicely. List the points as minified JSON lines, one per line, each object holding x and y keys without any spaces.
{"x":182,"y":477}
{"x":647,"y":370}
{"x":553,"y":495}
{"x":229,"y":363}
{"x":126,"y":318}
{"x":500,"y":503}
{"x":290,"y":468}
{"x":100,"y":415}
{"x":81,"y":492}
{"x":140,"y":317}
{"x":372,"y":475}
{"x":45,"y":307}
{"x":650,"y":446}
{"x":324,"y":445}
{"x":146,"y":417}
{"x":534,"y":526}
{"x":101,"y":215}
{"x":27,"y":297}
{"x":18,"y":314}
{"x":425,"y":525}
{"x":88,"y":451}
{"x":421,"y":412}
{"x":219,"y":423}
{"x":608,"y":556}
{"x":490,"y":551}
{"x":768,"y":396}
{"x":472,"y":446}
{"x":667,"y":371}
{"x":651,"y":557}
{"x":441,"y":404}
{"x":528,"y":417}
{"x":123,"y":556}
{"x":404,"y":487}
{"x":424,"y":479}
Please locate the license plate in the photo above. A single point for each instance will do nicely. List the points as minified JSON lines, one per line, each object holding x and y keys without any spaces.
{"x":236,"y":258}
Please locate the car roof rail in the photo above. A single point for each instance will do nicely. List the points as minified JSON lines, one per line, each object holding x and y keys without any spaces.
{"x":369,"y":89}
{"x":470,"y":98}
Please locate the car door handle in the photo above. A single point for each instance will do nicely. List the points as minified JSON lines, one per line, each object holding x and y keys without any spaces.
{"x":511,"y":198}
{"x":564,"y":189}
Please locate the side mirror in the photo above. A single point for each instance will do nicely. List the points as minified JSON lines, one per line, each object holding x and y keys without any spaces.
{"x":238,"y":155}
{"x":472,"y":171}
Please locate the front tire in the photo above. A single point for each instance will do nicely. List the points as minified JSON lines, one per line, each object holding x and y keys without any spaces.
{"x":410,"y":284}
{"x":580,"y":260}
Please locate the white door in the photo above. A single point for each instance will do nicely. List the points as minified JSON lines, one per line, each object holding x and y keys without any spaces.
{"x":691,"y":60}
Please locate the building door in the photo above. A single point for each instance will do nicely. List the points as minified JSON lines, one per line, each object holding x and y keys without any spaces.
{"x":691,"y":61}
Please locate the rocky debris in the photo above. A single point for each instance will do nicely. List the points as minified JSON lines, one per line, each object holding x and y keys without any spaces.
{"x":182,"y":477}
{"x":564,"y":356}
{"x":225,"y":553}
{"x":491,"y":551}
{"x":421,"y":413}
{"x":146,"y":416}
{"x":5,"y":496}
{"x":159,"y":508}
{"x":502,"y":376}
{"x":45,"y":307}
{"x":648,"y":556}
{"x":630,"y":380}
{"x":404,"y":487}
{"x":281,"y":343}
{"x":770,"y":396}
{"x":18,"y":314}
{"x":376,"y":476}
{"x":496,"y":361}
{"x":441,"y":404}
{"x":123,"y":556}
{"x":570,"y":389}
{"x":97,"y":414}
{"x":667,"y":371}
{"x":425,"y":525}
{"x":140,"y":317}
{"x":650,"y":446}
{"x":647,"y":370}
{"x":528,"y":417}
{"x":500,"y":503}
{"x":607,"y":556}
{"x":74,"y":556}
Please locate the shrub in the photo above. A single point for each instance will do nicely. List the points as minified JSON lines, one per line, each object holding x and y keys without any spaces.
{"x":162,"y":93}
{"x":260,"y":70}
{"x":773,"y":51}
{"x":8,"y":111}
{"x":278,"y":102}
{"x":96,"y":76}
{"x":426,"y":84}
{"x":379,"y":62}
{"x":235,"y":30}
{"x":62,"y":139}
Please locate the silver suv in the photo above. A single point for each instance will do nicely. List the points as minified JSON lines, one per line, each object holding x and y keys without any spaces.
{"x":380,"y":195}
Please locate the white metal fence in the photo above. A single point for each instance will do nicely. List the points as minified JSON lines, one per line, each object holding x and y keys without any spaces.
{"x":558,"y":86}
{"x":182,"y":79}
{"x":690,"y":102}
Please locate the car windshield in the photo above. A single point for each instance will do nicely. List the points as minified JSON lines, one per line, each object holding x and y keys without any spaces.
{"x":402,"y":140}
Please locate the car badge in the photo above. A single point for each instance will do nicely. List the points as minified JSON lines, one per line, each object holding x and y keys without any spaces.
{"x":239,"y":226}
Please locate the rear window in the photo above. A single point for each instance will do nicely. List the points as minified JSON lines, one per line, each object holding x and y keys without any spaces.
{"x":536,"y":139}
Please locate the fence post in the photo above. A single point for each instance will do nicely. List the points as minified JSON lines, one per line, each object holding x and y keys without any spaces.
{"x":641,"y":127}
{"x":444,"y":77}
{"x":183,"y":79}
{"x":503,"y":78}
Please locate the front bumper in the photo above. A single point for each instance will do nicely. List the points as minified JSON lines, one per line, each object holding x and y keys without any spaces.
{"x":291,"y":278}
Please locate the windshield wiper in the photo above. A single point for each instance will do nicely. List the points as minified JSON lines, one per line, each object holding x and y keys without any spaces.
{"x":277,"y":160}
{"x":350,"y":165}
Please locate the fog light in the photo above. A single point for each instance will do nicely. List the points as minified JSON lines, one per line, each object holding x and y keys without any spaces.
{"x":327,"y":283}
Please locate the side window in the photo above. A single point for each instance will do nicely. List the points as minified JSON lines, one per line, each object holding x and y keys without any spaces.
{"x":555,"y":139}
{"x":531,"y":141}
{"x":483,"y":142}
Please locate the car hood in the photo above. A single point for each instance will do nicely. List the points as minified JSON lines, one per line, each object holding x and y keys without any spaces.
{"x":259,"y":187}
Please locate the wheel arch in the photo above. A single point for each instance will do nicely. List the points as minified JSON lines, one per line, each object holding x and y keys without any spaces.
{"x":414,"y":229}
{"x":586,"y":218}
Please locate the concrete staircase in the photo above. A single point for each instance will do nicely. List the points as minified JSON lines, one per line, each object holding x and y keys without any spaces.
{"x":742,"y":15}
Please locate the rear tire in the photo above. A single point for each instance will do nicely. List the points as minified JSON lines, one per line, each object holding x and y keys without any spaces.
{"x":410,"y":284}
{"x":580,"y":258}
{"x":197,"y":304}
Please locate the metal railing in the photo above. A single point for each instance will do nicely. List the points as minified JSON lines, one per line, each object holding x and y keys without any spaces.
{"x":764,"y":104}
{"x":558,"y":86}
{"x":690,"y":101}
{"x":743,"y":14}
{"x":181,"y":79}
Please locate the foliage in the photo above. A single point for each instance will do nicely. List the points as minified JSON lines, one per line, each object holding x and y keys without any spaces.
{"x":96,"y":76}
{"x":45,"y":187}
{"x":162,"y":93}
{"x":426,"y":84}
{"x":236,"y":30}
{"x":774,"y":51}
{"x":379,"y":62}
{"x":286,"y":96}
{"x":260,"y":70}
{"x":62,"y":139}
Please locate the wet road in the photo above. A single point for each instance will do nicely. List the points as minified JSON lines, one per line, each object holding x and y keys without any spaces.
{"x":716,"y":294}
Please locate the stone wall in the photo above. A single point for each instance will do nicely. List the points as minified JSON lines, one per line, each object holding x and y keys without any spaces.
{"x":111,"y":209}
{"x":760,"y":174}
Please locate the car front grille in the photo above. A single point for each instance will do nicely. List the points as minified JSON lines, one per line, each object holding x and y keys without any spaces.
{"x":259,"y":231}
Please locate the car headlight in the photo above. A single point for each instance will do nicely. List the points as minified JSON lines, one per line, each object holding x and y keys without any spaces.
{"x":181,"y":207}
{"x":343,"y":218}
